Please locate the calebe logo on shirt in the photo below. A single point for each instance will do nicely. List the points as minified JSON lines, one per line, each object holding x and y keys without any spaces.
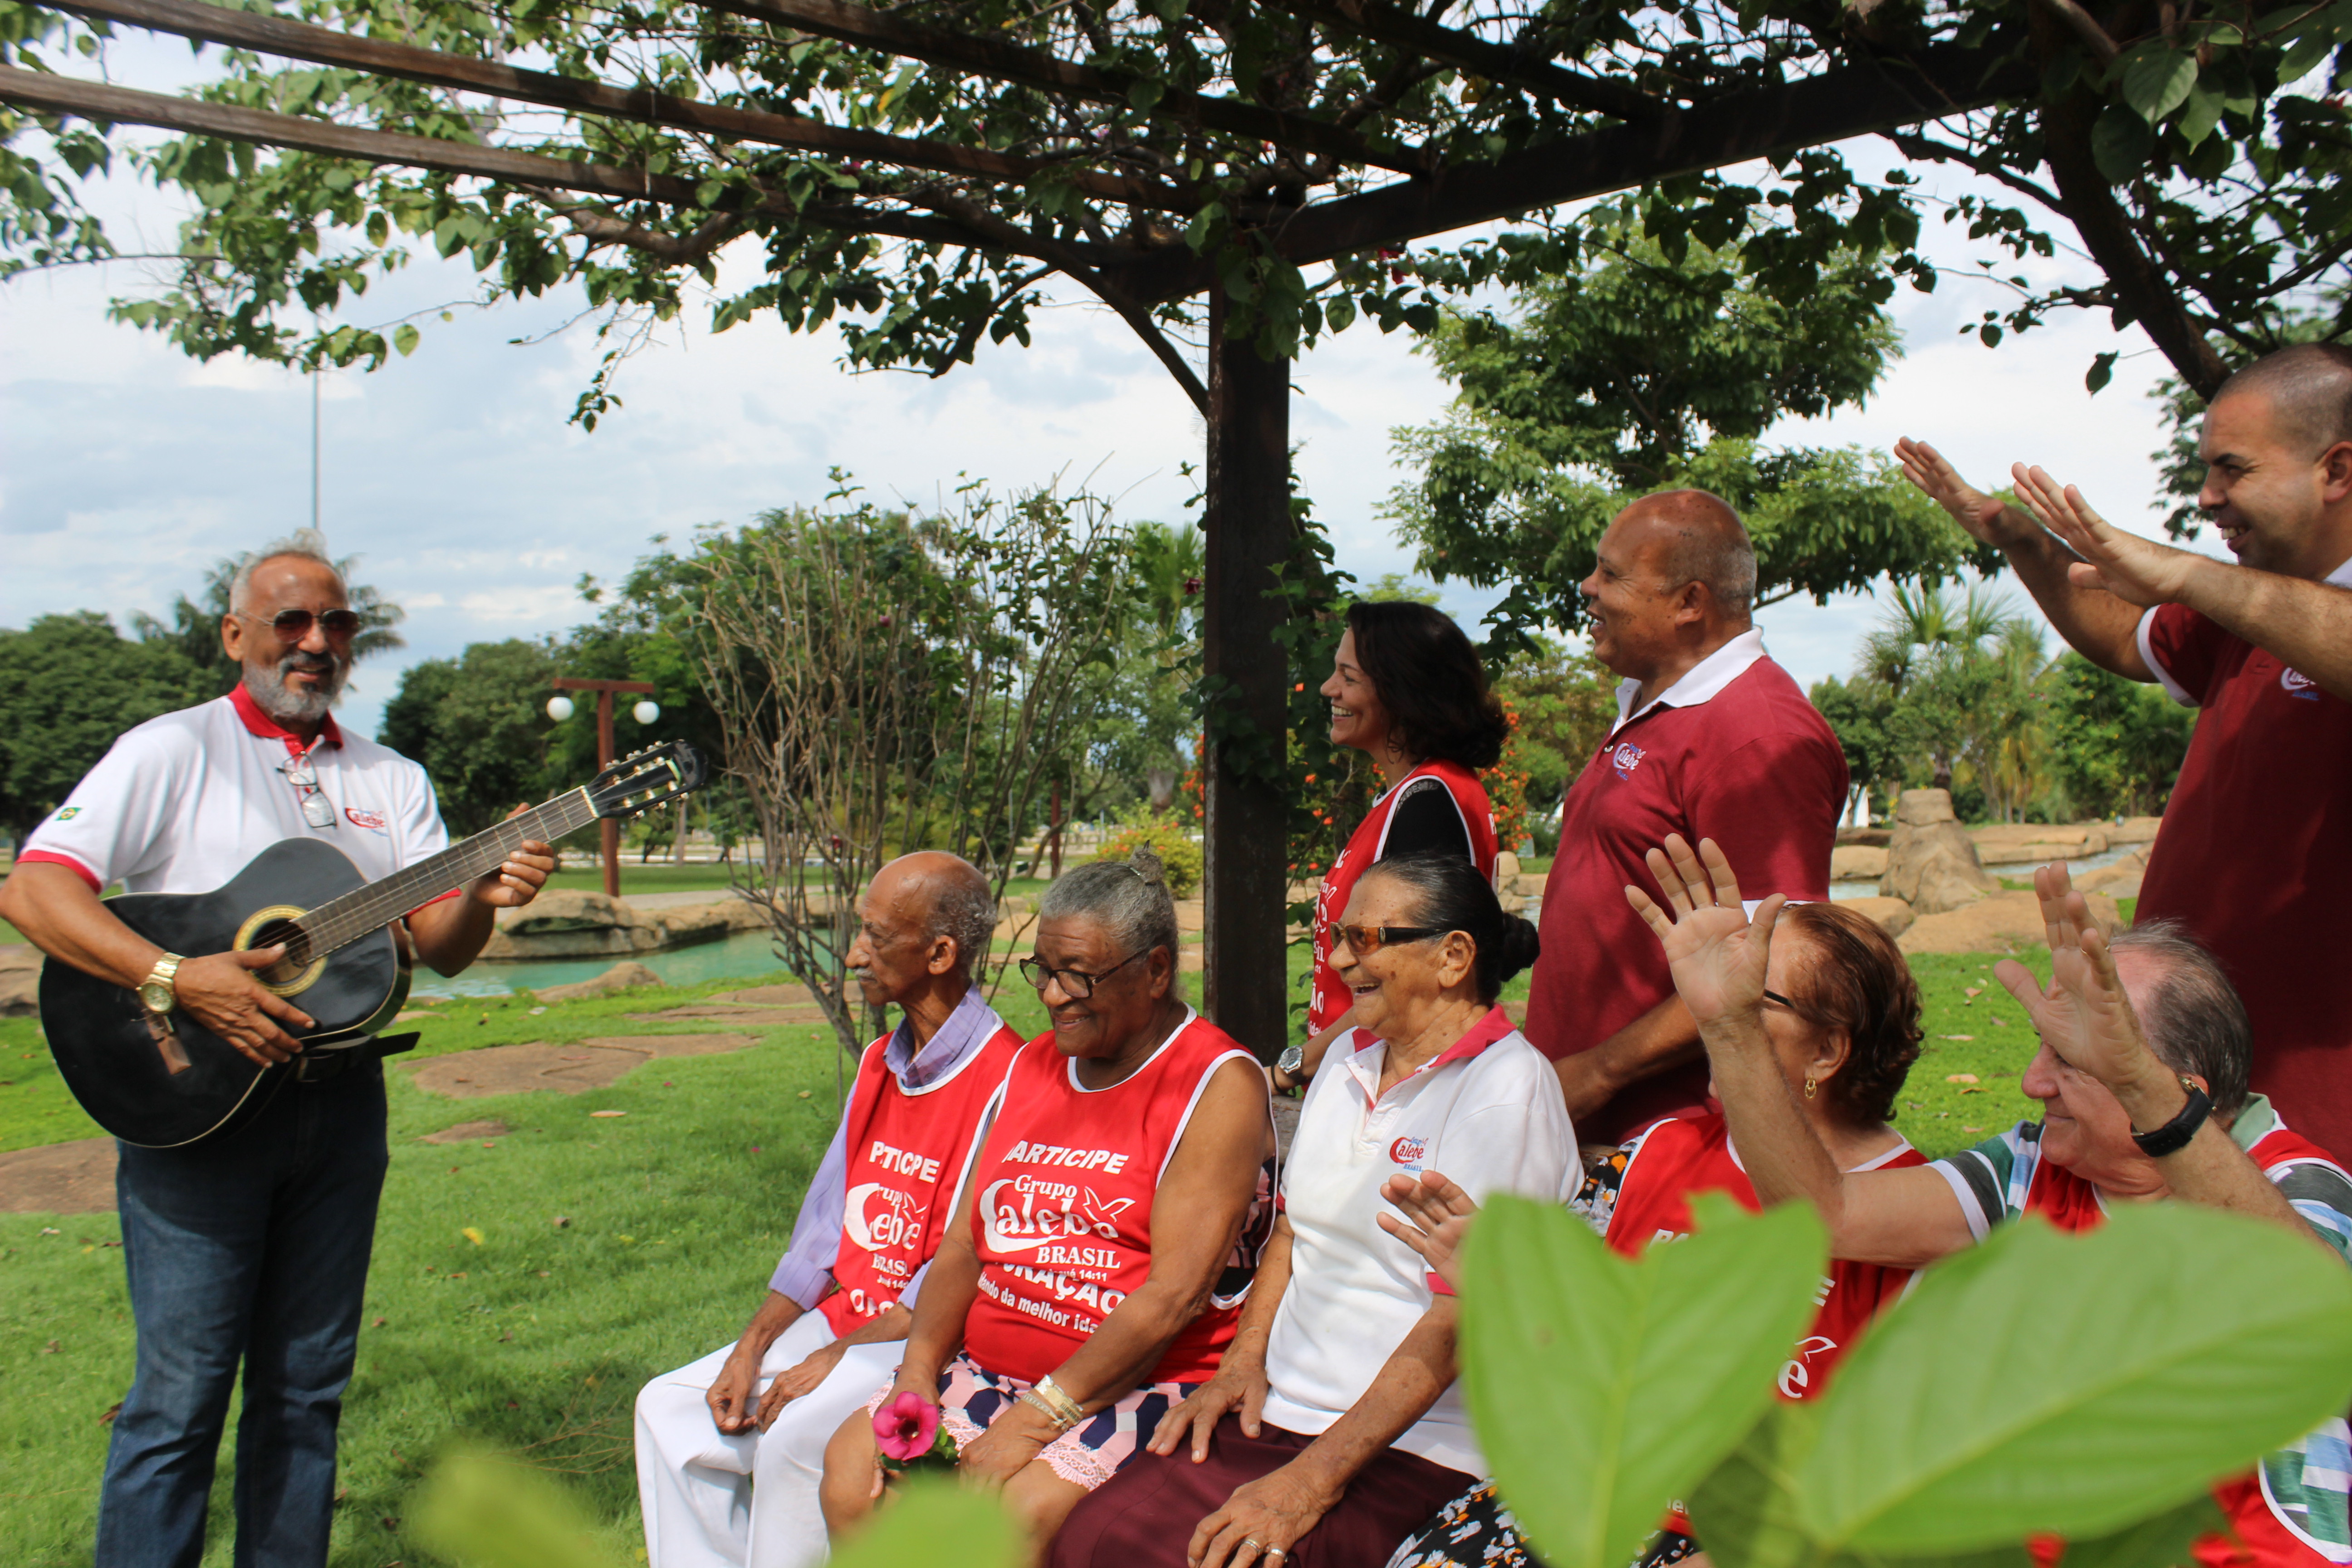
{"x":1409,"y":1151}
{"x":371,"y":820}
{"x":1625,"y":759}
{"x":2297,"y":684}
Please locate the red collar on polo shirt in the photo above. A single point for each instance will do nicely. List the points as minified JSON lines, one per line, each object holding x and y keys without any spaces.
{"x":1475,"y":1039}
{"x":257,"y":722}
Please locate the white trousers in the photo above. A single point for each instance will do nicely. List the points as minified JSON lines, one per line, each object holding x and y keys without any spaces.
{"x":712,"y":1500}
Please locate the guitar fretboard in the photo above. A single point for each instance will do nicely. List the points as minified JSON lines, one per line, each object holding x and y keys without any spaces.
{"x":340,"y":922}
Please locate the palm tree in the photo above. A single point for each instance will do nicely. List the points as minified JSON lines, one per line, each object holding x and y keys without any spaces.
{"x":195,"y":625}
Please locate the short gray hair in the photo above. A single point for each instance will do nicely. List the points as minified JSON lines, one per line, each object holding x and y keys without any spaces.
{"x":965,"y":911}
{"x":1128,"y":896}
{"x":2194,"y":1020}
{"x":2310,"y":390}
{"x":303,"y":545}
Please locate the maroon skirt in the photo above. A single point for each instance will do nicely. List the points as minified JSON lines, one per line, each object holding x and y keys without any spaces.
{"x":1144,"y":1516}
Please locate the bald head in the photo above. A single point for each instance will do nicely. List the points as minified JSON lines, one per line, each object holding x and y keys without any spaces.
{"x":2308,"y":389}
{"x":937,"y":894}
{"x":1693,"y":536}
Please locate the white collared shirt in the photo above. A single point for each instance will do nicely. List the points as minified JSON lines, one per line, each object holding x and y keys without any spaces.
{"x":1700,"y":683}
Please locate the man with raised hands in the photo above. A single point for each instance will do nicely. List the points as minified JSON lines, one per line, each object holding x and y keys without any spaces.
{"x":2263,"y":649}
{"x":731,"y":1447}
{"x":2141,"y":1075}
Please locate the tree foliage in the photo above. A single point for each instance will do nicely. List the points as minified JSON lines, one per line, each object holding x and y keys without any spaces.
{"x":2116,"y":744}
{"x":69,"y":684}
{"x":1646,"y":373}
{"x":478,"y":724}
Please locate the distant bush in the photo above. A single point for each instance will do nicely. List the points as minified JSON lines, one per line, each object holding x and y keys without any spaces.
{"x":1165,"y":836}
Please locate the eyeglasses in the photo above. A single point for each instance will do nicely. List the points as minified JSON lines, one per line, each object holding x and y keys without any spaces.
{"x":1076,"y":984}
{"x":317,"y":809}
{"x":293,"y":625}
{"x":1362,"y":940}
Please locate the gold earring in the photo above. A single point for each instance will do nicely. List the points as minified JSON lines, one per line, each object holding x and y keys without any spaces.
{"x":1810,"y":1086}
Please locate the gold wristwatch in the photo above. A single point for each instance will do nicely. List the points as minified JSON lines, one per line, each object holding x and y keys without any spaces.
{"x":156,"y":991}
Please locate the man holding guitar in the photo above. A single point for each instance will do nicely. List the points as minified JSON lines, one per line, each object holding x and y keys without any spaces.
{"x":251,"y":1245}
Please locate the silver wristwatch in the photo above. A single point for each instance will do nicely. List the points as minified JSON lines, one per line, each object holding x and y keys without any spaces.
{"x":1292,"y":1062}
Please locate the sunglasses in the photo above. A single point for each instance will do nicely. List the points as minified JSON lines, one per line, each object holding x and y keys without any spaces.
{"x":1362,"y":940}
{"x":317,"y":809}
{"x":293,"y":625}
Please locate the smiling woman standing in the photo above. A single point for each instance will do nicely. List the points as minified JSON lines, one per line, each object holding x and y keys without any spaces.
{"x":1333,"y":1428}
{"x":1408,"y":690}
{"x":1109,"y":1227}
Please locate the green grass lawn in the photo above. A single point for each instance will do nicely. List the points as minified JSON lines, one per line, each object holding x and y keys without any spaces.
{"x":534,"y":1340}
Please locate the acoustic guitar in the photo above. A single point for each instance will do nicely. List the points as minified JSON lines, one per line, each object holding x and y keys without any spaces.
{"x":167,"y":1088}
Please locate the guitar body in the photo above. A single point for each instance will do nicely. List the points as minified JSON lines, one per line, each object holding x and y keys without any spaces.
{"x":165,"y":1092}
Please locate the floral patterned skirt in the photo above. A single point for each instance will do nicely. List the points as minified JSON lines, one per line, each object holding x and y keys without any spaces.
{"x":1087,"y":1455}
{"x":1475,"y":1530}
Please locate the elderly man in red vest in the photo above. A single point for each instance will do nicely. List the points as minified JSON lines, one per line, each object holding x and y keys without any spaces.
{"x":731,"y":1447}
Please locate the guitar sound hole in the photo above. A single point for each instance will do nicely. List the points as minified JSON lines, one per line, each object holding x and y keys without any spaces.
{"x":298,"y":951}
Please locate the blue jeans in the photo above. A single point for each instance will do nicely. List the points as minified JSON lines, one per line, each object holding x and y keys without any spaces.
{"x":253,"y":1248}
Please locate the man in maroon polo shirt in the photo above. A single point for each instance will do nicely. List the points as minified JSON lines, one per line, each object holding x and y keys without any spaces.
{"x":1712,"y":739}
{"x":2257,"y":838}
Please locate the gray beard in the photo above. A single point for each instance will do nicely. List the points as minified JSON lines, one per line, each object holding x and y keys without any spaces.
{"x":287,"y":706}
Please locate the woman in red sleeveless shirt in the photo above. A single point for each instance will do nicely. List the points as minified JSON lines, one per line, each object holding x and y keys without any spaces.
{"x":1843,"y":1012}
{"x":1407,"y":690}
{"x":1097,"y":1261}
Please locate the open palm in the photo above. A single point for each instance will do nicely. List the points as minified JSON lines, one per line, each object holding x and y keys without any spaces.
{"x":1718,"y":956}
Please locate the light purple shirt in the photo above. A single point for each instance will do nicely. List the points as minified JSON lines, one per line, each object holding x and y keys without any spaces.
{"x":805,"y":1271}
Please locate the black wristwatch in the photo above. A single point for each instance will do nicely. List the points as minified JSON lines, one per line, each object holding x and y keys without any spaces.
{"x":2175,"y":1134}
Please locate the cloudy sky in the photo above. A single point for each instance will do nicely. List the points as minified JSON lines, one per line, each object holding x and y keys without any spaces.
{"x":126,"y":468}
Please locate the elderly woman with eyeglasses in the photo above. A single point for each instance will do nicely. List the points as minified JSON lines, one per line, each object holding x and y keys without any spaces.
{"x":1842,"y":1016}
{"x":1107,"y":1230}
{"x":1333,"y":1428}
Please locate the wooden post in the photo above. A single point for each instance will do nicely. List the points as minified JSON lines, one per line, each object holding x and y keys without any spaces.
{"x":609,"y":829}
{"x":1249,"y":535}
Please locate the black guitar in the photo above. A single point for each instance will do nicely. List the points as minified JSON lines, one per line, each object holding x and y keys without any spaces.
{"x":170,"y":1089}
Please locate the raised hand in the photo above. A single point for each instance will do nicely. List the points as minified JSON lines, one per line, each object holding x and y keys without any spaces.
{"x":1718,"y":955}
{"x":1437,"y":1215}
{"x":2082,"y":1014}
{"x":1985,"y":517}
{"x":2137,"y":571}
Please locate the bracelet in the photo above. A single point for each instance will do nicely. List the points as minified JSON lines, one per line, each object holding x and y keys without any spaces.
{"x":1030,"y":1397}
{"x":1068,"y":1411}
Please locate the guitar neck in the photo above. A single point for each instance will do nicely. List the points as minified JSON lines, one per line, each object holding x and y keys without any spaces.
{"x":340,"y":922}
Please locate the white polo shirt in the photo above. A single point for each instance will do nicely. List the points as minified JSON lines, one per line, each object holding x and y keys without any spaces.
{"x":182,"y":803}
{"x":1485,"y":1112}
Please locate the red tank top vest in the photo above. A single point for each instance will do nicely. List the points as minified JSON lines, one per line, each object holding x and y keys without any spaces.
{"x":1674,"y":1157}
{"x":1062,"y":1212}
{"x":908,"y":1150}
{"x":2256,"y":1539}
{"x":1331,"y":998}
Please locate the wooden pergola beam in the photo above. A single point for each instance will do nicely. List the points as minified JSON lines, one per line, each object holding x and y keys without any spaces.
{"x":993,"y":57}
{"x":269,"y":34}
{"x":1852,"y":100}
{"x":1496,"y":62}
{"x":126,"y":106}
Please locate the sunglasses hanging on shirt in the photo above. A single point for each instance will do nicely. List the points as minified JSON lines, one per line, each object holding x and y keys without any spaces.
{"x":317,"y":809}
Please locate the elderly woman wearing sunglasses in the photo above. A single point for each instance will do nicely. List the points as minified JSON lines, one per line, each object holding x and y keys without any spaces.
{"x":1108,"y":1229}
{"x":1333,"y":1429}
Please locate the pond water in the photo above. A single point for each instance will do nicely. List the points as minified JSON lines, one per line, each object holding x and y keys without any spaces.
{"x":743,"y":952}
{"x":2022,"y":872}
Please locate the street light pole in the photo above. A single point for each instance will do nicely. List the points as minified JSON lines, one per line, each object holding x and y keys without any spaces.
{"x":609,"y":829}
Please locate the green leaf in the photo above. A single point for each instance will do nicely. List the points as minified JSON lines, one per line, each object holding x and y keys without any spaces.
{"x":405,"y":340}
{"x":2078,"y":1383}
{"x":934,"y":1520}
{"x":1602,"y":1389}
{"x":2101,"y":371}
{"x":2203,"y":113}
{"x":1144,"y":93}
{"x":492,"y":1513}
{"x":2120,"y":144}
{"x":2159,"y":1542}
{"x":2158,"y":81}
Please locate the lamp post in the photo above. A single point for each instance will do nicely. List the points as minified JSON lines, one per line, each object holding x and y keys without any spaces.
{"x":559,"y":709}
